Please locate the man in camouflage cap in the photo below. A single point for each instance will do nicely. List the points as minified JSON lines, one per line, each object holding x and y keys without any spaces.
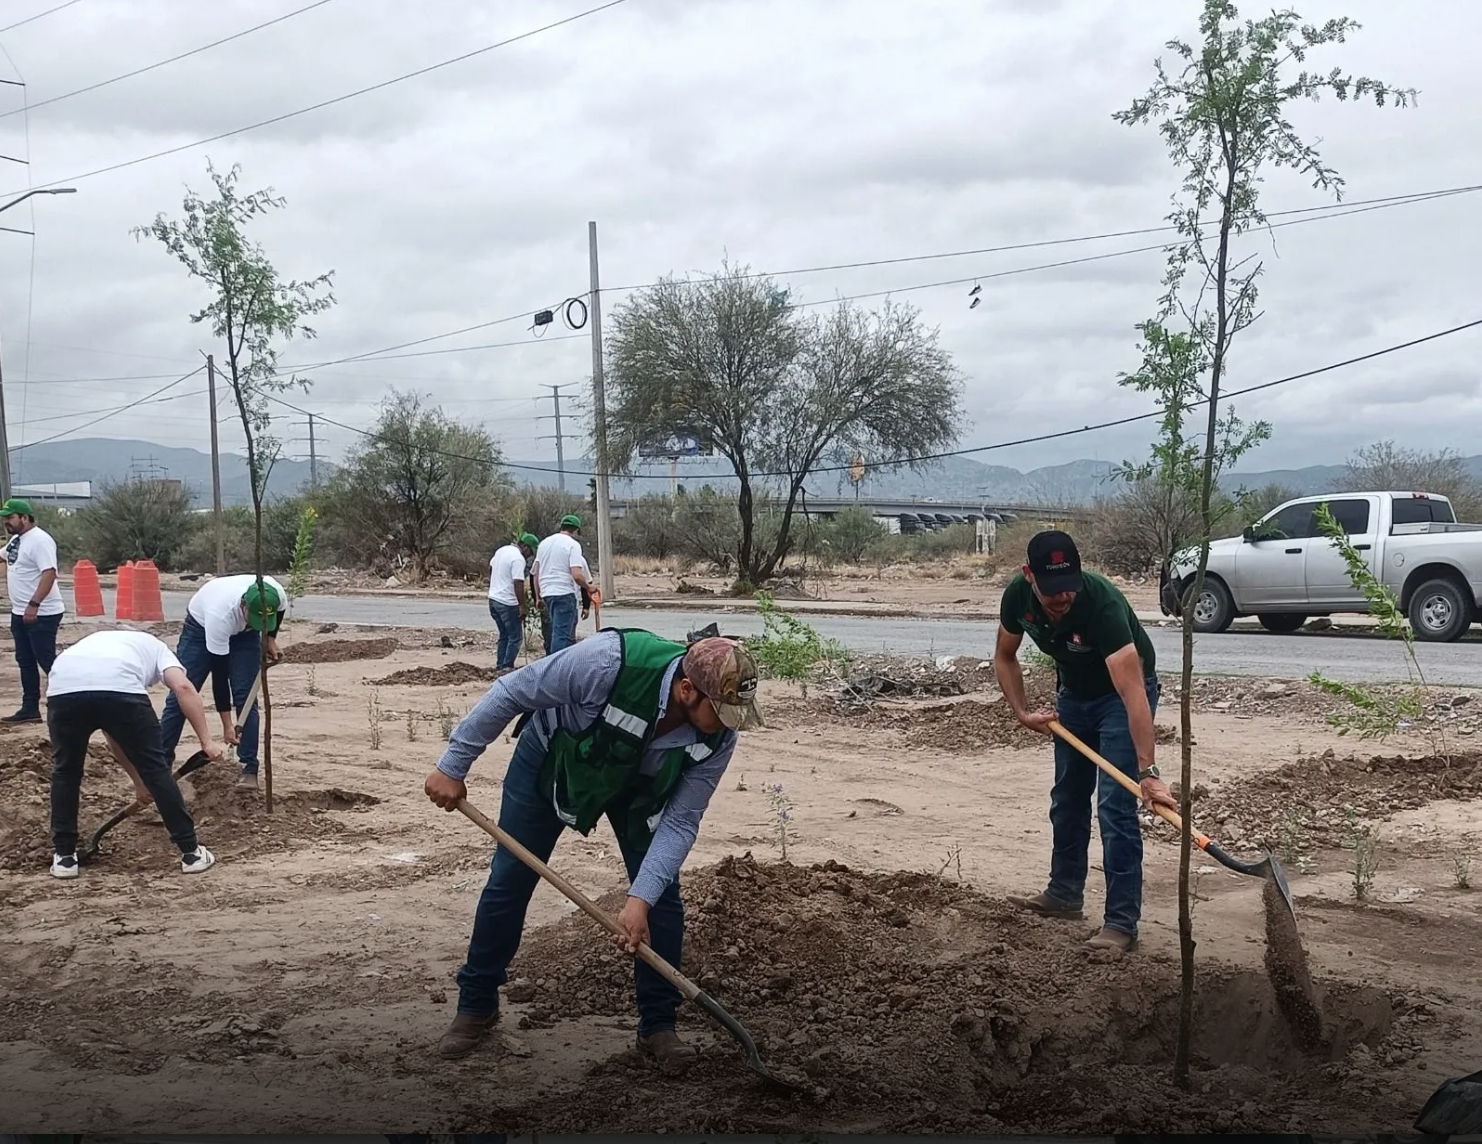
{"x":623,"y":724}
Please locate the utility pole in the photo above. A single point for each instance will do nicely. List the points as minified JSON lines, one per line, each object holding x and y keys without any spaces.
{"x":313,"y":456}
{"x":219,"y":520}
{"x":599,"y":417}
{"x":560,"y":450}
{"x":4,"y":436}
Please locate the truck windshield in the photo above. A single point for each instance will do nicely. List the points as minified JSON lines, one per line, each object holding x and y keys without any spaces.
{"x":1411,"y":510}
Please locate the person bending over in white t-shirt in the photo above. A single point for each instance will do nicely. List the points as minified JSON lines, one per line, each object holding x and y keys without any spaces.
{"x":101,"y":683}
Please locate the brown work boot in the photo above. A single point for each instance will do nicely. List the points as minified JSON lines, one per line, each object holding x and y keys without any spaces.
{"x":464,"y":1035}
{"x":1112,"y":940}
{"x":1048,"y":907}
{"x":674,"y":1057}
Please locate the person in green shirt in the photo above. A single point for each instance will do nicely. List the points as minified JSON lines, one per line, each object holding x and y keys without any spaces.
{"x":1106,"y":695}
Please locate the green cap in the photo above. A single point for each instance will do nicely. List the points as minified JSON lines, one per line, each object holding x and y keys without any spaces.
{"x":15,"y":505}
{"x":528,"y":540}
{"x":570,"y":520}
{"x":259,"y":600}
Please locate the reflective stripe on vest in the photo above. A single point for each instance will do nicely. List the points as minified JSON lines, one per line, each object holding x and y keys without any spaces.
{"x":625,"y":721}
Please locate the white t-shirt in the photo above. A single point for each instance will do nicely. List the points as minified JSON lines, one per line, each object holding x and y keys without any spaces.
{"x":130,"y":662}
{"x":554,"y":559}
{"x":27,"y":556}
{"x":217,"y":607}
{"x":506,"y":566}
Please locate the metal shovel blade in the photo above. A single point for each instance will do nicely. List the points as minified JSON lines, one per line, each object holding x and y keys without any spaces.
{"x":748,"y":1047}
{"x":1268,"y":868}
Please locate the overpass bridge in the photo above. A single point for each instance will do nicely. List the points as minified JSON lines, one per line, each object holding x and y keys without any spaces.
{"x":891,"y":508}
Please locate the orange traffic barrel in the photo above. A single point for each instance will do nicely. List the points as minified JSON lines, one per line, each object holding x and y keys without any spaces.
{"x":87,"y":593}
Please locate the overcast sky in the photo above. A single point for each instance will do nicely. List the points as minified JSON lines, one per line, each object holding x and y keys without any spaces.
{"x":784,"y":135}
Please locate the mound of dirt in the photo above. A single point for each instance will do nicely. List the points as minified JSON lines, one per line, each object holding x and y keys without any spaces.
{"x":338,"y":651}
{"x":1308,"y":801}
{"x":231,"y":823}
{"x":912,"y":1004}
{"x":445,"y":676}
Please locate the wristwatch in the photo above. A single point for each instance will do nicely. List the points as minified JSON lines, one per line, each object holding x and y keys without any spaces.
{"x":1149,"y":773}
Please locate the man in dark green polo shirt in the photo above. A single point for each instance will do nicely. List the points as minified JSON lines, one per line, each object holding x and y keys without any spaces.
{"x":1107,"y":693}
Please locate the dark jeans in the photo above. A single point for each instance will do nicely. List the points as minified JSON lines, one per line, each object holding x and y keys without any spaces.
{"x":511,"y":632}
{"x":1102,"y":724}
{"x":130,"y":721}
{"x":35,"y":652}
{"x":528,"y":817}
{"x":562,"y":612}
{"x":243,"y":658}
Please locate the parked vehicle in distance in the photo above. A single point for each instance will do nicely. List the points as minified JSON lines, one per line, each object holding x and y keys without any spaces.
{"x":1283,"y":571}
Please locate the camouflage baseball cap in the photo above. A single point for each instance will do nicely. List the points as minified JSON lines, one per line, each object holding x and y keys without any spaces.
{"x":724,"y":672}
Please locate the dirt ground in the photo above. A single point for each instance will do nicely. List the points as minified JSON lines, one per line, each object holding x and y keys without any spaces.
{"x":301,"y":984}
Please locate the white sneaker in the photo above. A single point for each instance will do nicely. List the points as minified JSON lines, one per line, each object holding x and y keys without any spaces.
{"x":64,"y":865}
{"x":201,"y":860}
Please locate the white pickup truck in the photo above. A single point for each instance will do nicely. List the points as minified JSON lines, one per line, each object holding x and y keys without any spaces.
{"x":1283,"y":570}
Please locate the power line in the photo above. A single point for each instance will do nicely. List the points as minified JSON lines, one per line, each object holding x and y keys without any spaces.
{"x":342,"y":98}
{"x":111,"y":412}
{"x":38,"y":15}
{"x":1058,"y":435}
{"x":172,"y":59}
{"x":1394,"y":200}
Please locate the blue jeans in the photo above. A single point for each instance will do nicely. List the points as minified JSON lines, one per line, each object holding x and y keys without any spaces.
{"x":35,"y":652}
{"x":562,"y":611}
{"x":1102,"y":724}
{"x":243,"y":659}
{"x":527,"y":816}
{"x":511,"y":632}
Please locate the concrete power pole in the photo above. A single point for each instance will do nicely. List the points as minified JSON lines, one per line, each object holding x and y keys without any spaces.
{"x":219,"y":520}
{"x":4,"y":447}
{"x":599,"y":417}
{"x":313,"y":456}
{"x":560,"y":449}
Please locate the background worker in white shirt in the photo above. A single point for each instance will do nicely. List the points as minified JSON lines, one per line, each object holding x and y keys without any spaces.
{"x":507,"y":603}
{"x":101,"y":683}
{"x":223,"y":637}
{"x":35,"y":602}
{"x":559,"y":577}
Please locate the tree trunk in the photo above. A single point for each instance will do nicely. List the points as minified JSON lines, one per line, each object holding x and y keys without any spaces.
{"x":784,"y":536}
{"x":746,"y":508}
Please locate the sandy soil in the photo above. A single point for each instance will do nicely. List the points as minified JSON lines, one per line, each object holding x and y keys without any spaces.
{"x":302,"y":984}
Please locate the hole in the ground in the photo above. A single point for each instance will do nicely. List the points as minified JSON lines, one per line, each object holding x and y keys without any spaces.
{"x":332,"y":799}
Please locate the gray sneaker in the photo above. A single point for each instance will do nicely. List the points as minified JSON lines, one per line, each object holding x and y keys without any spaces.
{"x":247,"y":780}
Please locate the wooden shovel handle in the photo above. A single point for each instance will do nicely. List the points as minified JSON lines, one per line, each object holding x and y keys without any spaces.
{"x":1171,"y":817}
{"x":645,"y":954}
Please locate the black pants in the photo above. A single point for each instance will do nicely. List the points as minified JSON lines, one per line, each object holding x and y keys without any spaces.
{"x":131,"y":722}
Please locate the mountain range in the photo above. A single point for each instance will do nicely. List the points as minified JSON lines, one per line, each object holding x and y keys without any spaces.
{"x":104,"y":460}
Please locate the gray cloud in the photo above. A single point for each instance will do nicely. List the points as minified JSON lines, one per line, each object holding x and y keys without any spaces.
{"x":779,"y":133}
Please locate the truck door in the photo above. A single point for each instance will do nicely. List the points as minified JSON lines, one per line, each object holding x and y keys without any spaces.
{"x":1327,"y":576}
{"x":1268,"y":569}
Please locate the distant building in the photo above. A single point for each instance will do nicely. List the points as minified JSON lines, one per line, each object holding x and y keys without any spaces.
{"x":68,"y":497}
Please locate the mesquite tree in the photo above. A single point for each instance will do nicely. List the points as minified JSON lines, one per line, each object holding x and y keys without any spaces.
{"x":780,"y":394}
{"x":252,"y":309}
{"x":1224,"y":117}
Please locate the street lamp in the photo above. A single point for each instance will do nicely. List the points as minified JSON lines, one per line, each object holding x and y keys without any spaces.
{"x":39,"y":191}
{"x":4,"y":436}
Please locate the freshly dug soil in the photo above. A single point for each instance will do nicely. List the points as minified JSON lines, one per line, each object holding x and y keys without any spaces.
{"x":1286,"y":965}
{"x":445,"y":676}
{"x":231,"y":823}
{"x":1306,"y":799}
{"x":338,"y":651}
{"x":913,"y":1004}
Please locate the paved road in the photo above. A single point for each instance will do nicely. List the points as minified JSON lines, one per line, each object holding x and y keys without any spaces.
{"x":1350,"y":656}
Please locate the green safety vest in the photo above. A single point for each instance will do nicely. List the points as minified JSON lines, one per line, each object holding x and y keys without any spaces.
{"x":593,"y":772}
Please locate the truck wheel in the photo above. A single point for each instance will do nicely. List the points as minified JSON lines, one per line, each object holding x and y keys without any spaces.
{"x":1440,"y":611}
{"x":1281,"y":623}
{"x":1214,"y":611}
